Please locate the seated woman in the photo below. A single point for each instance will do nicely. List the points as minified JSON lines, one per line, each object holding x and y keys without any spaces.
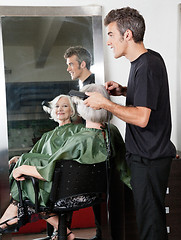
{"x":61,"y":110}
{"x":88,"y":146}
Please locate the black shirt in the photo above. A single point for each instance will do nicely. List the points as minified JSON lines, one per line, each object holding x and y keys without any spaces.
{"x":148,"y":87}
{"x":89,"y":80}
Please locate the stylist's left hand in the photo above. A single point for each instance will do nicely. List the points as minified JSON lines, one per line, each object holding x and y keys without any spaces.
{"x":95,"y":100}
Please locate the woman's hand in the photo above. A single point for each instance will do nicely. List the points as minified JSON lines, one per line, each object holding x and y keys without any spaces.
{"x":18,"y":172}
{"x":13,"y":160}
{"x":26,"y":170}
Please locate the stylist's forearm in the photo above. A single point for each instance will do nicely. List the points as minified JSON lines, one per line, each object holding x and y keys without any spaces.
{"x":138,"y":116}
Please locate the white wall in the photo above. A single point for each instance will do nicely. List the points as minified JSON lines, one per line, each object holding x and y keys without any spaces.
{"x":162,"y":35}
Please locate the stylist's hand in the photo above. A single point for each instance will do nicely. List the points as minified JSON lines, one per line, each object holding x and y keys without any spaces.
{"x":95,"y":100}
{"x":115,"y":89}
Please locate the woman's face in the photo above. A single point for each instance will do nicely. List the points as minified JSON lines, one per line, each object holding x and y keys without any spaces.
{"x":63,"y":111}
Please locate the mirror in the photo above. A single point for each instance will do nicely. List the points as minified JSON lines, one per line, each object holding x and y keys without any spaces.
{"x":35,"y":71}
{"x":33,"y":68}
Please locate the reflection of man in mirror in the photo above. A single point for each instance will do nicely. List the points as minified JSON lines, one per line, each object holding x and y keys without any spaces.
{"x":78,"y":62}
{"x":78,"y":65}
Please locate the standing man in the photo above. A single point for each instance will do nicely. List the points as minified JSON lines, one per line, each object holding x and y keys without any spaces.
{"x":147,"y":116}
{"x":78,"y":65}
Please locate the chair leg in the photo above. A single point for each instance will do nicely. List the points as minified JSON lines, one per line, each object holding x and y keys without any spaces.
{"x":50,"y":229}
{"x":62,"y":228}
{"x":69,"y":219}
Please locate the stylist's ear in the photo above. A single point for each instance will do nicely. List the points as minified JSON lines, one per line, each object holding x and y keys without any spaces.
{"x":128,"y":35}
{"x":83,"y":64}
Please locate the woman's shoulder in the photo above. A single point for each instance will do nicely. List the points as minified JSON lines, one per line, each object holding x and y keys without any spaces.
{"x":74,"y":128}
{"x":46,"y":134}
{"x":77,"y":125}
{"x":87,"y":133}
{"x":87,"y":138}
{"x":69,"y":126}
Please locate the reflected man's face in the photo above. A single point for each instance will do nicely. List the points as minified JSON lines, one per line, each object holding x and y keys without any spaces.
{"x":74,"y":68}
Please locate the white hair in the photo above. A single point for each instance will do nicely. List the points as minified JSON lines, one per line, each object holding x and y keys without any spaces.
{"x":88,"y":113}
{"x":52,"y":107}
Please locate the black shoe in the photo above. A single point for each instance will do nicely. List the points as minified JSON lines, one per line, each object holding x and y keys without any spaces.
{"x":10,"y":228}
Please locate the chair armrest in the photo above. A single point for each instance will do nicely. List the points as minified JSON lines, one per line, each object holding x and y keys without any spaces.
{"x":35,"y":183}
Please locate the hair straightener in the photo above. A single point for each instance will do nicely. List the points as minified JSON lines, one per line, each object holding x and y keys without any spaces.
{"x":81,"y":95}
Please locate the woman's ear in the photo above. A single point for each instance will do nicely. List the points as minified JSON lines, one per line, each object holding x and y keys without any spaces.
{"x":72,"y":113}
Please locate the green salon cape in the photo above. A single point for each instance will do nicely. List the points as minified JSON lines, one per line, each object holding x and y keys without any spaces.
{"x":86,"y":146}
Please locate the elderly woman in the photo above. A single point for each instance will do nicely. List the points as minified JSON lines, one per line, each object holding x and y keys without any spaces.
{"x":61,"y":110}
{"x":89,"y":146}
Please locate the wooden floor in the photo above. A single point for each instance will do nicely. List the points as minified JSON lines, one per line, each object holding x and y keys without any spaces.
{"x":79,"y":233}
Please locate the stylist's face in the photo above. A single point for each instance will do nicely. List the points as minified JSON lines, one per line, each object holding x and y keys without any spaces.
{"x":63,"y":110}
{"x":74,"y":68}
{"x":116,"y":41}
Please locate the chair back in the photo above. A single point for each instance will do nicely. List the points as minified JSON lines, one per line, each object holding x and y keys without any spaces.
{"x":74,"y":179}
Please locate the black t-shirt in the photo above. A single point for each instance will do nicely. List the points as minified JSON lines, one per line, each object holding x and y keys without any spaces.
{"x":89,"y":80}
{"x":148,"y":87}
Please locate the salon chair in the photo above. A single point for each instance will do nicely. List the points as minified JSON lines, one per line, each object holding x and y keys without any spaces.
{"x":75,"y":186}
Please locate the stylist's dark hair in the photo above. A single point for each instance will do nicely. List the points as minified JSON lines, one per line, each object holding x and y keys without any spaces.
{"x":127,"y":18}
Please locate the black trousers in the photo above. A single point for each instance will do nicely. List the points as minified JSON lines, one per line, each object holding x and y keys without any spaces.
{"x":149,"y":179}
